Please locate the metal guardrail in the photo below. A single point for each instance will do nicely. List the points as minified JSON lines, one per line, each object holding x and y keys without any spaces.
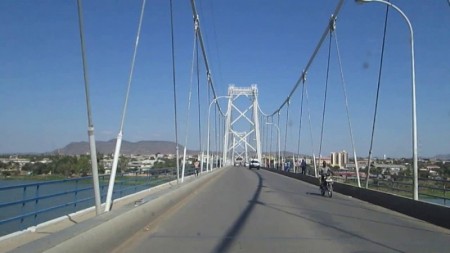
{"x":434,"y":191}
{"x":26,"y":205}
{"x":429,"y":189}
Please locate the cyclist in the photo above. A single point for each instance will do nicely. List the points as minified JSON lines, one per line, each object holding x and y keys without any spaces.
{"x":324,"y":172}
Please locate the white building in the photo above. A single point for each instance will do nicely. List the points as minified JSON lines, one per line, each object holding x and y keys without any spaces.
{"x":339,"y":159}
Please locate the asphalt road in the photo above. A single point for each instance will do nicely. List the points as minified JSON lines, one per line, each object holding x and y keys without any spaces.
{"x":246,"y":210}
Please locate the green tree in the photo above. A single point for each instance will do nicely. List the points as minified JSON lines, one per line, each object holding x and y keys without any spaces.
{"x":405,"y":173}
{"x":445,"y":169}
{"x":38,"y":168}
{"x":158,"y":165}
{"x":65,"y":165}
{"x":123,"y":163}
{"x":83,"y":165}
{"x":424,"y":174}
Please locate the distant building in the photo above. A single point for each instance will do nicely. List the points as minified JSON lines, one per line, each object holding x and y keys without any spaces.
{"x":390,"y":168}
{"x":339,"y":159}
{"x":15,"y":159}
{"x":432,"y":167}
{"x":327,"y":160}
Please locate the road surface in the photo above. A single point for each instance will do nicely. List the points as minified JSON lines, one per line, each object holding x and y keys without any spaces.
{"x":246,"y":210}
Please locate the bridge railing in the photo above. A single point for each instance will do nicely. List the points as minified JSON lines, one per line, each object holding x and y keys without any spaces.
{"x":431,"y":190}
{"x":435,"y":191}
{"x":29,"y":204}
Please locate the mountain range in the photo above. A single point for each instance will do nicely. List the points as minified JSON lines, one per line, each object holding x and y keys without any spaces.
{"x":443,"y":157}
{"x":127,"y":147}
{"x":146,"y":148}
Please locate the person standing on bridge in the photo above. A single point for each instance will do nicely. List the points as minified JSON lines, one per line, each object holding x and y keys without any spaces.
{"x":196,"y":167}
{"x":303,"y":166}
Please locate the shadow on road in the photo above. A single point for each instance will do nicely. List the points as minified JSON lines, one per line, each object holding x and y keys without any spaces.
{"x":232,"y":233}
{"x":329,"y":225}
{"x":313,"y":193}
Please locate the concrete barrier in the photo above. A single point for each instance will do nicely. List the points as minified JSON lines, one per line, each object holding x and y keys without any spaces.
{"x":105,"y":232}
{"x":432,"y":213}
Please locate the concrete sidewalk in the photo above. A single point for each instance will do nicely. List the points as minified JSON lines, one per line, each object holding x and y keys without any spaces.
{"x":40,"y":237}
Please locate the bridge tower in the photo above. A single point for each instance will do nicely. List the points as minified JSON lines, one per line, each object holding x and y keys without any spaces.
{"x":242,"y":101}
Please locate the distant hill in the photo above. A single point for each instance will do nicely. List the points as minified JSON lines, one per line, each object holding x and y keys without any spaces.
{"x":443,"y":157}
{"x":107,"y":147}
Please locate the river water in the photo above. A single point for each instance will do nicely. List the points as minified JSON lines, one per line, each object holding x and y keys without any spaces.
{"x":66,"y":200}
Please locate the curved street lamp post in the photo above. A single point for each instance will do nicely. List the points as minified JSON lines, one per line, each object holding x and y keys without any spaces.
{"x":278,"y":134}
{"x":207,"y":148}
{"x":413,"y":77}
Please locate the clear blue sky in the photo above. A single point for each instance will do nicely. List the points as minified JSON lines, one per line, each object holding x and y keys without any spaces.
{"x":42,"y":96}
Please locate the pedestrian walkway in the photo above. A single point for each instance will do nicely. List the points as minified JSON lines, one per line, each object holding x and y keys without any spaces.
{"x":17,"y":239}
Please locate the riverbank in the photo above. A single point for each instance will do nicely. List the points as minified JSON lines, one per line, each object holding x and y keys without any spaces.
{"x":33,"y":178}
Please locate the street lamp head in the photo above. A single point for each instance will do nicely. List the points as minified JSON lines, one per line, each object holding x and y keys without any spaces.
{"x":360,"y":1}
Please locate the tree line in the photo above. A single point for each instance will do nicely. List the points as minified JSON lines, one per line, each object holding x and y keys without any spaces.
{"x":69,"y":165}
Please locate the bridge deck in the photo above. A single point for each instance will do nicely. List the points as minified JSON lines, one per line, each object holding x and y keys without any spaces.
{"x":239,"y":210}
{"x":259,"y":211}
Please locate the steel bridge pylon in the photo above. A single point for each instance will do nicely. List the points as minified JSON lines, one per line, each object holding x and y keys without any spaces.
{"x":244,"y":140}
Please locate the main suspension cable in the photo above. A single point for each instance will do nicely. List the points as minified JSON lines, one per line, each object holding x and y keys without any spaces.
{"x":205,"y":58}
{"x":311,"y":59}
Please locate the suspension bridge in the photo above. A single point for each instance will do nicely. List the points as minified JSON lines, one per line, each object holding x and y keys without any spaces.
{"x":230,"y":208}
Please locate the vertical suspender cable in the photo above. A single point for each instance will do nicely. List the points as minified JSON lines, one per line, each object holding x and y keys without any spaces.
{"x":198,"y":107}
{"x":270,"y":146}
{"x":310,"y":129}
{"x":377,"y":96}
{"x":220,"y":138}
{"x":300,"y":120}
{"x":265,"y":141}
{"x":347,"y":110}
{"x":215,"y":132}
{"x":174,"y":92}
{"x":280,"y":161}
{"x":119,"y":135}
{"x":263,"y":131}
{"x":95,"y":181}
{"x":189,"y":104}
{"x":286,"y":130}
{"x":266,"y":119}
{"x":209,"y":160}
{"x":325,"y":99}
{"x":217,"y":136}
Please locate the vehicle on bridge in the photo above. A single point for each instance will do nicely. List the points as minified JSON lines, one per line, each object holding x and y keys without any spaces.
{"x":326,"y":187}
{"x":254,"y":164}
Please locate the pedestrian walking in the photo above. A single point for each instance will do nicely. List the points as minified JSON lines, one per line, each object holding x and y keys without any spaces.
{"x":196,"y":167}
